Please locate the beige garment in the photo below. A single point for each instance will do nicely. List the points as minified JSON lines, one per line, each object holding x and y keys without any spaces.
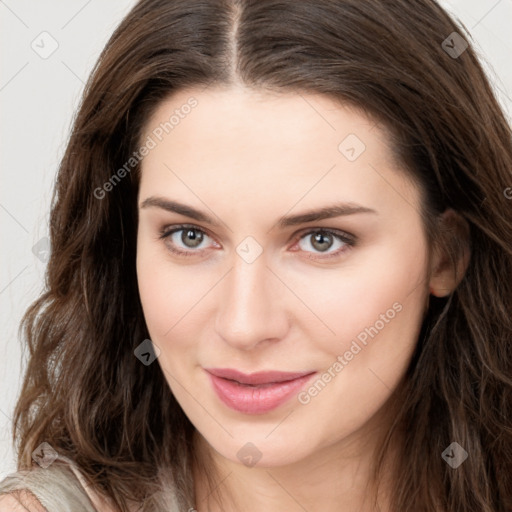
{"x":59,"y":488}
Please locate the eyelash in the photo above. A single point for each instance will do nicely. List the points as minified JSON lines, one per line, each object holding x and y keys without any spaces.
{"x":346,"y":238}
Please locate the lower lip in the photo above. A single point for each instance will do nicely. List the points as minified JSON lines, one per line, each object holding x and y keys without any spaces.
{"x":256,"y":399}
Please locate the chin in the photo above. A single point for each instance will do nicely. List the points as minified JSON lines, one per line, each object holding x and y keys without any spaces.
{"x":262,"y":451}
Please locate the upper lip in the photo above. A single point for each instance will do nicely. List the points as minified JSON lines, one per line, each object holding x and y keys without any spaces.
{"x":263,"y":377}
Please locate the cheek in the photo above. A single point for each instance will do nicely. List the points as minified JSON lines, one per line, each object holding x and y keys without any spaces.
{"x":374,"y":307}
{"x":153,"y":296}
{"x":377,"y":325}
{"x":160,"y":290}
{"x":164,"y":301}
{"x":171,"y":297}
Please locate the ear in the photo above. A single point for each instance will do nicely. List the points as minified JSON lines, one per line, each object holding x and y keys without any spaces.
{"x":451,"y":253}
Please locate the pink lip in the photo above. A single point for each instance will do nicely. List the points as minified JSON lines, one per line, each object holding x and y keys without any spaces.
{"x":255,"y":393}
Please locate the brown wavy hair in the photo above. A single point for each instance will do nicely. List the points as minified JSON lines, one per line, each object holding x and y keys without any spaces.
{"x":85,"y":392}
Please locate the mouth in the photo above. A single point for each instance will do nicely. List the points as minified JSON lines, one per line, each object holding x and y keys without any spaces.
{"x":256,"y":393}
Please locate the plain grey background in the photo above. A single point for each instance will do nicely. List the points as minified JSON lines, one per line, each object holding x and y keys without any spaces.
{"x":48,"y":49}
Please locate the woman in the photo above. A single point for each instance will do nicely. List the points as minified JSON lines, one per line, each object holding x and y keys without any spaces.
{"x":196,"y":349}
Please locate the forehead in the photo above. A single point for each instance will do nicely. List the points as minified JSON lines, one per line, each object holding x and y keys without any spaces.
{"x":296,"y":116}
{"x":278,"y":146}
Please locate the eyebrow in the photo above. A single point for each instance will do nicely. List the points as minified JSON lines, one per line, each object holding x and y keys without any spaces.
{"x":328,"y":212}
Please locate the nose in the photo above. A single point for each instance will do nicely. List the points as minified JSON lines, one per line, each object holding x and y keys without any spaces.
{"x":252,"y":306}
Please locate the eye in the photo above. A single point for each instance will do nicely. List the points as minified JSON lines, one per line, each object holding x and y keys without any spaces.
{"x":186,"y":243}
{"x":322,"y":240}
{"x":186,"y":240}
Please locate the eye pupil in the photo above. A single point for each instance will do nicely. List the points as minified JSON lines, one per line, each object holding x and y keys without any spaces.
{"x":319,"y":241}
{"x":194,"y":235}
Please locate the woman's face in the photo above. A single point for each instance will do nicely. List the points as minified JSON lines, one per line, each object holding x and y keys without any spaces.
{"x":257,"y":281}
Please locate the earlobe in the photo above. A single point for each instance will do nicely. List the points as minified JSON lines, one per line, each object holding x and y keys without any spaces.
{"x":451,"y":254}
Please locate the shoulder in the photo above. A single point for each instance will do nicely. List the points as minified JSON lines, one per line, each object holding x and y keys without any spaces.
{"x":20,"y":501}
{"x":55,"y":488}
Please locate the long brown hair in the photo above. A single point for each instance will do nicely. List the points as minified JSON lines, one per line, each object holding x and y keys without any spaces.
{"x":89,"y":397}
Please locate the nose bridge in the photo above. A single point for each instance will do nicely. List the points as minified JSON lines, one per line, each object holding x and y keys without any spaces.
{"x":249,"y":310}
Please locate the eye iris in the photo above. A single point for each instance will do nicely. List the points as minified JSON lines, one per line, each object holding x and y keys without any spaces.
{"x":194,"y":235}
{"x":320,"y":238}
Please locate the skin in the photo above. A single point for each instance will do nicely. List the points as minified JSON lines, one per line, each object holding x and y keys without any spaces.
{"x":248,"y":158}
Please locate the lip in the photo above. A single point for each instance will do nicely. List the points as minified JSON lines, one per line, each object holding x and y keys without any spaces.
{"x":258,"y":392}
